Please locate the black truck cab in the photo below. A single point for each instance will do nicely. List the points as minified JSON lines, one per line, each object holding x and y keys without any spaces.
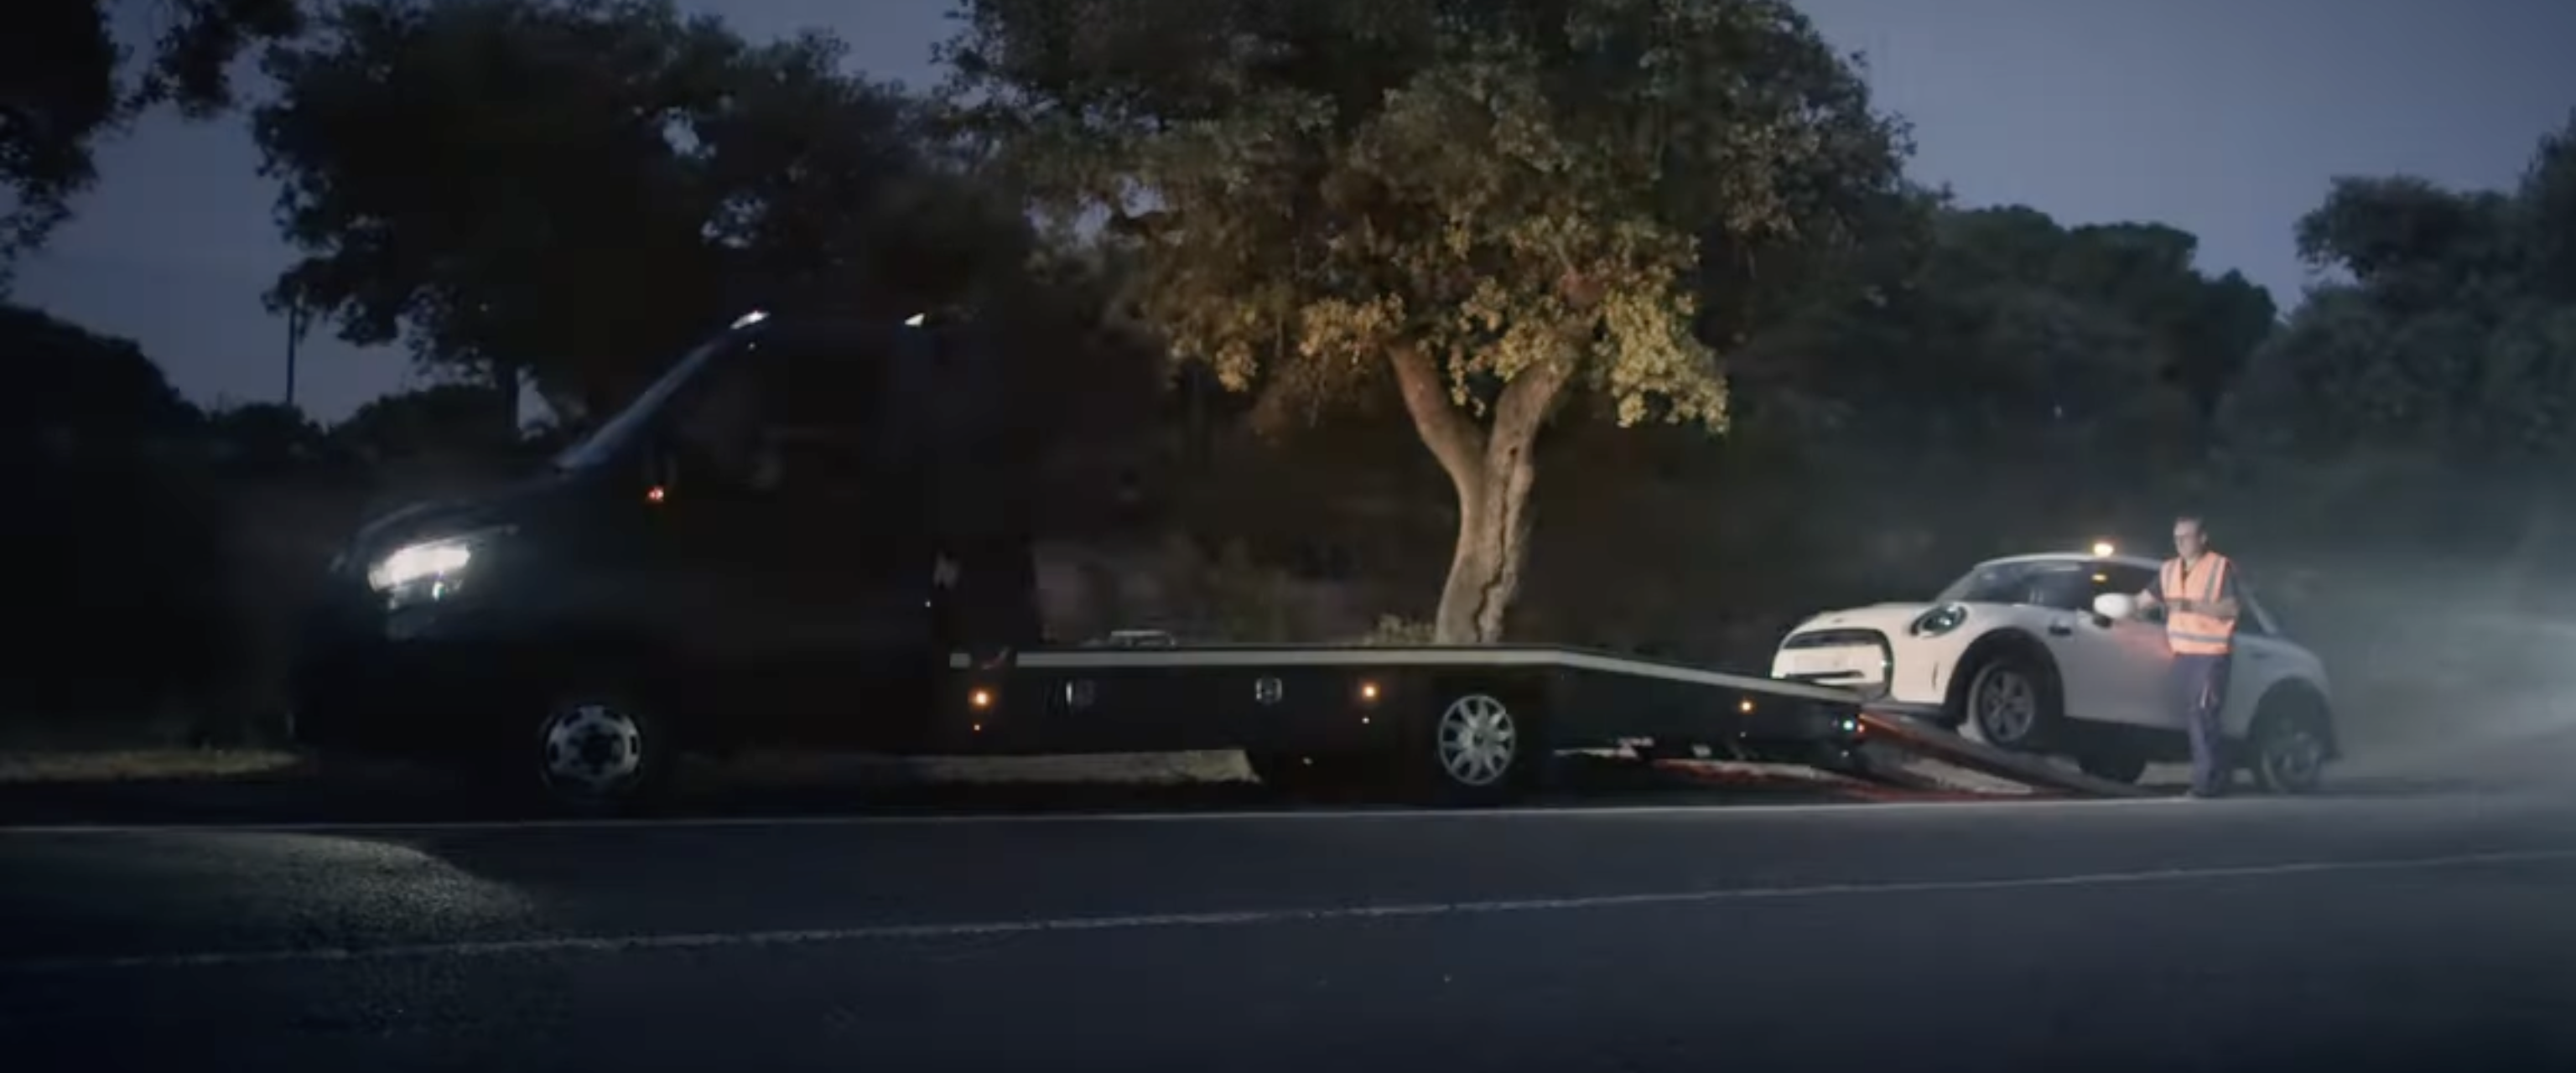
{"x":775,"y":543}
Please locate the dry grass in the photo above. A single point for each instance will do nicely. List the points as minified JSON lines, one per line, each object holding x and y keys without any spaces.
{"x":140,"y":765}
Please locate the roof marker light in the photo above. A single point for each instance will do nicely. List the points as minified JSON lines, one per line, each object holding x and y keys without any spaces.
{"x":2102,"y":549}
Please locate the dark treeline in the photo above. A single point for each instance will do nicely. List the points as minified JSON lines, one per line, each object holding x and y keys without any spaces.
{"x":1610,"y":314}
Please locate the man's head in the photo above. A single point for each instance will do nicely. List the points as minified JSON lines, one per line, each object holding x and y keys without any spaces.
{"x":2191,"y":536}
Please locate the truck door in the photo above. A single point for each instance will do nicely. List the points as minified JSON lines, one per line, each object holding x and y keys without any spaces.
{"x":806,"y":569}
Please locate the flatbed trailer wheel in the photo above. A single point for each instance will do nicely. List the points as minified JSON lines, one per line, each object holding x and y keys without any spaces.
{"x":1480,"y":747}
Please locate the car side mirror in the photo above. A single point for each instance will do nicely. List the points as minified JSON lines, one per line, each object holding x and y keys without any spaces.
{"x":2115,"y":606}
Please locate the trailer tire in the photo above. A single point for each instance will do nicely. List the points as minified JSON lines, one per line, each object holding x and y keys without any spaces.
{"x":1479,"y":747}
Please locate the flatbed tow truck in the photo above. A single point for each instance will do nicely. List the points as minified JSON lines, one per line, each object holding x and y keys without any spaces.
{"x":790,"y":539}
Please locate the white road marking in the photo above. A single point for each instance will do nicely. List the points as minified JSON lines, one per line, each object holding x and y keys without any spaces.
{"x":624,"y":944}
{"x":1004,"y":819}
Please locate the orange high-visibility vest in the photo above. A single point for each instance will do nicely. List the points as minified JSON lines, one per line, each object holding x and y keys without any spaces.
{"x":2192,"y":633}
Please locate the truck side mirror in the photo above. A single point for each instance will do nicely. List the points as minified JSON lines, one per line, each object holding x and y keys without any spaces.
{"x":2115,"y":606}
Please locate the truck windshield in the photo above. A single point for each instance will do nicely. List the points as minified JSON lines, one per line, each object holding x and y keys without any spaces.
{"x":604,"y":443}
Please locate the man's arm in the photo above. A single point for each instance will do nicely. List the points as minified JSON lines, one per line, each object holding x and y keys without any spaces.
{"x":2224,"y":607}
{"x":2153,"y":594}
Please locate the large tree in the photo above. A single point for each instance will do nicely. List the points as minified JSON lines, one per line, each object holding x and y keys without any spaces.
{"x":574,"y":188}
{"x":61,"y":90}
{"x":1495,"y":205}
{"x":2441,"y":344}
{"x":2000,"y":321}
{"x":1994,"y":375}
{"x":2447,"y":325}
{"x":93,"y":453}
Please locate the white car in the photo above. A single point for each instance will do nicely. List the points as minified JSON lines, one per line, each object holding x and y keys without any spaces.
{"x":2048,"y":654}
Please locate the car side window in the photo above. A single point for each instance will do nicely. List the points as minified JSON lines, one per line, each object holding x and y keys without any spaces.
{"x":2060,"y":588}
{"x":2123,"y":579}
{"x":2073,"y":586}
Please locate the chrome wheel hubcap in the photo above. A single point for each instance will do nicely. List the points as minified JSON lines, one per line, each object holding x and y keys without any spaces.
{"x":1477,"y":740}
{"x":2007,"y":704}
{"x":592,"y":749}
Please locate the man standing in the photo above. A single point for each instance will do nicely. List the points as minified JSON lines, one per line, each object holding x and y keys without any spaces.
{"x":2197,"y":587}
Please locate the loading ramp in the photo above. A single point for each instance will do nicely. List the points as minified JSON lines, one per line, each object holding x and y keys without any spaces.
{"x":1889,"y":741}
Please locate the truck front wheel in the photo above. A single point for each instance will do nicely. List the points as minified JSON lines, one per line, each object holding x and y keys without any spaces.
{"x":597,"y":752}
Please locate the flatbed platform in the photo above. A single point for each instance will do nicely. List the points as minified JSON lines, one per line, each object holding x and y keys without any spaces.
{"x":1465,"y":723}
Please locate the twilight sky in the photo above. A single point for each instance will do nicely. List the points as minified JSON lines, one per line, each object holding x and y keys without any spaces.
{"x":2223,"y":117}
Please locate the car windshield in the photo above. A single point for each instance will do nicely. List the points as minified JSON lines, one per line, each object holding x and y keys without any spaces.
{"x":605,"y":442}
{"x":2067,"y":584}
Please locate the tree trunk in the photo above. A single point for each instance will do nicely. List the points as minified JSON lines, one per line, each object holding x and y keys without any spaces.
{"x":1492,"y":471}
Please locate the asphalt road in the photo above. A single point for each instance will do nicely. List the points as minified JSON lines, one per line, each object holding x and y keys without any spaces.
{"x":2397,"y":933}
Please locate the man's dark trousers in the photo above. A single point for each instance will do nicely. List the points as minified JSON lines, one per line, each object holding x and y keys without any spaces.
{"x":2200,"y":682}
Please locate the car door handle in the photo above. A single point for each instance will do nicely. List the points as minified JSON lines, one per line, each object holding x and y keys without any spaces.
{"x":2060,"y":629}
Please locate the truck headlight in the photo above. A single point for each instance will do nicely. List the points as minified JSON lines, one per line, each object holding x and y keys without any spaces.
{"x":428,"y":569}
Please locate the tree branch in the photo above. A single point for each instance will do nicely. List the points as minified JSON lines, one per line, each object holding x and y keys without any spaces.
{"x":1451,"y":437}
{"x":1529,"y":400}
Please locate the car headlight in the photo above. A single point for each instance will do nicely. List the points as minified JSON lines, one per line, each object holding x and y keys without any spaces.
{"x":428,"y":569}
{"x":1939,"y":620}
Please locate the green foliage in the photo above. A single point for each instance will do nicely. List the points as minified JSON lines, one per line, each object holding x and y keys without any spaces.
{"x":95,"y":388}
{"x":1501,"y":186}
{"x":106,"y":508}
{"x":441,"y":419}
{"x":59,"y":76}
{"x":1999,"y":329}
{"x":2451,"y":330}
{"x":267,"y":439}
{"x":579,"y":187}
{"x":1394,"y":631}
{"x":1492,"y":203}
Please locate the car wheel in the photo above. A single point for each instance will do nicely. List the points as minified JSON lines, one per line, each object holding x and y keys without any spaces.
{"x":2010,"y":703}
{"x":2289,"y":750}
{"x":597,"y":752}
